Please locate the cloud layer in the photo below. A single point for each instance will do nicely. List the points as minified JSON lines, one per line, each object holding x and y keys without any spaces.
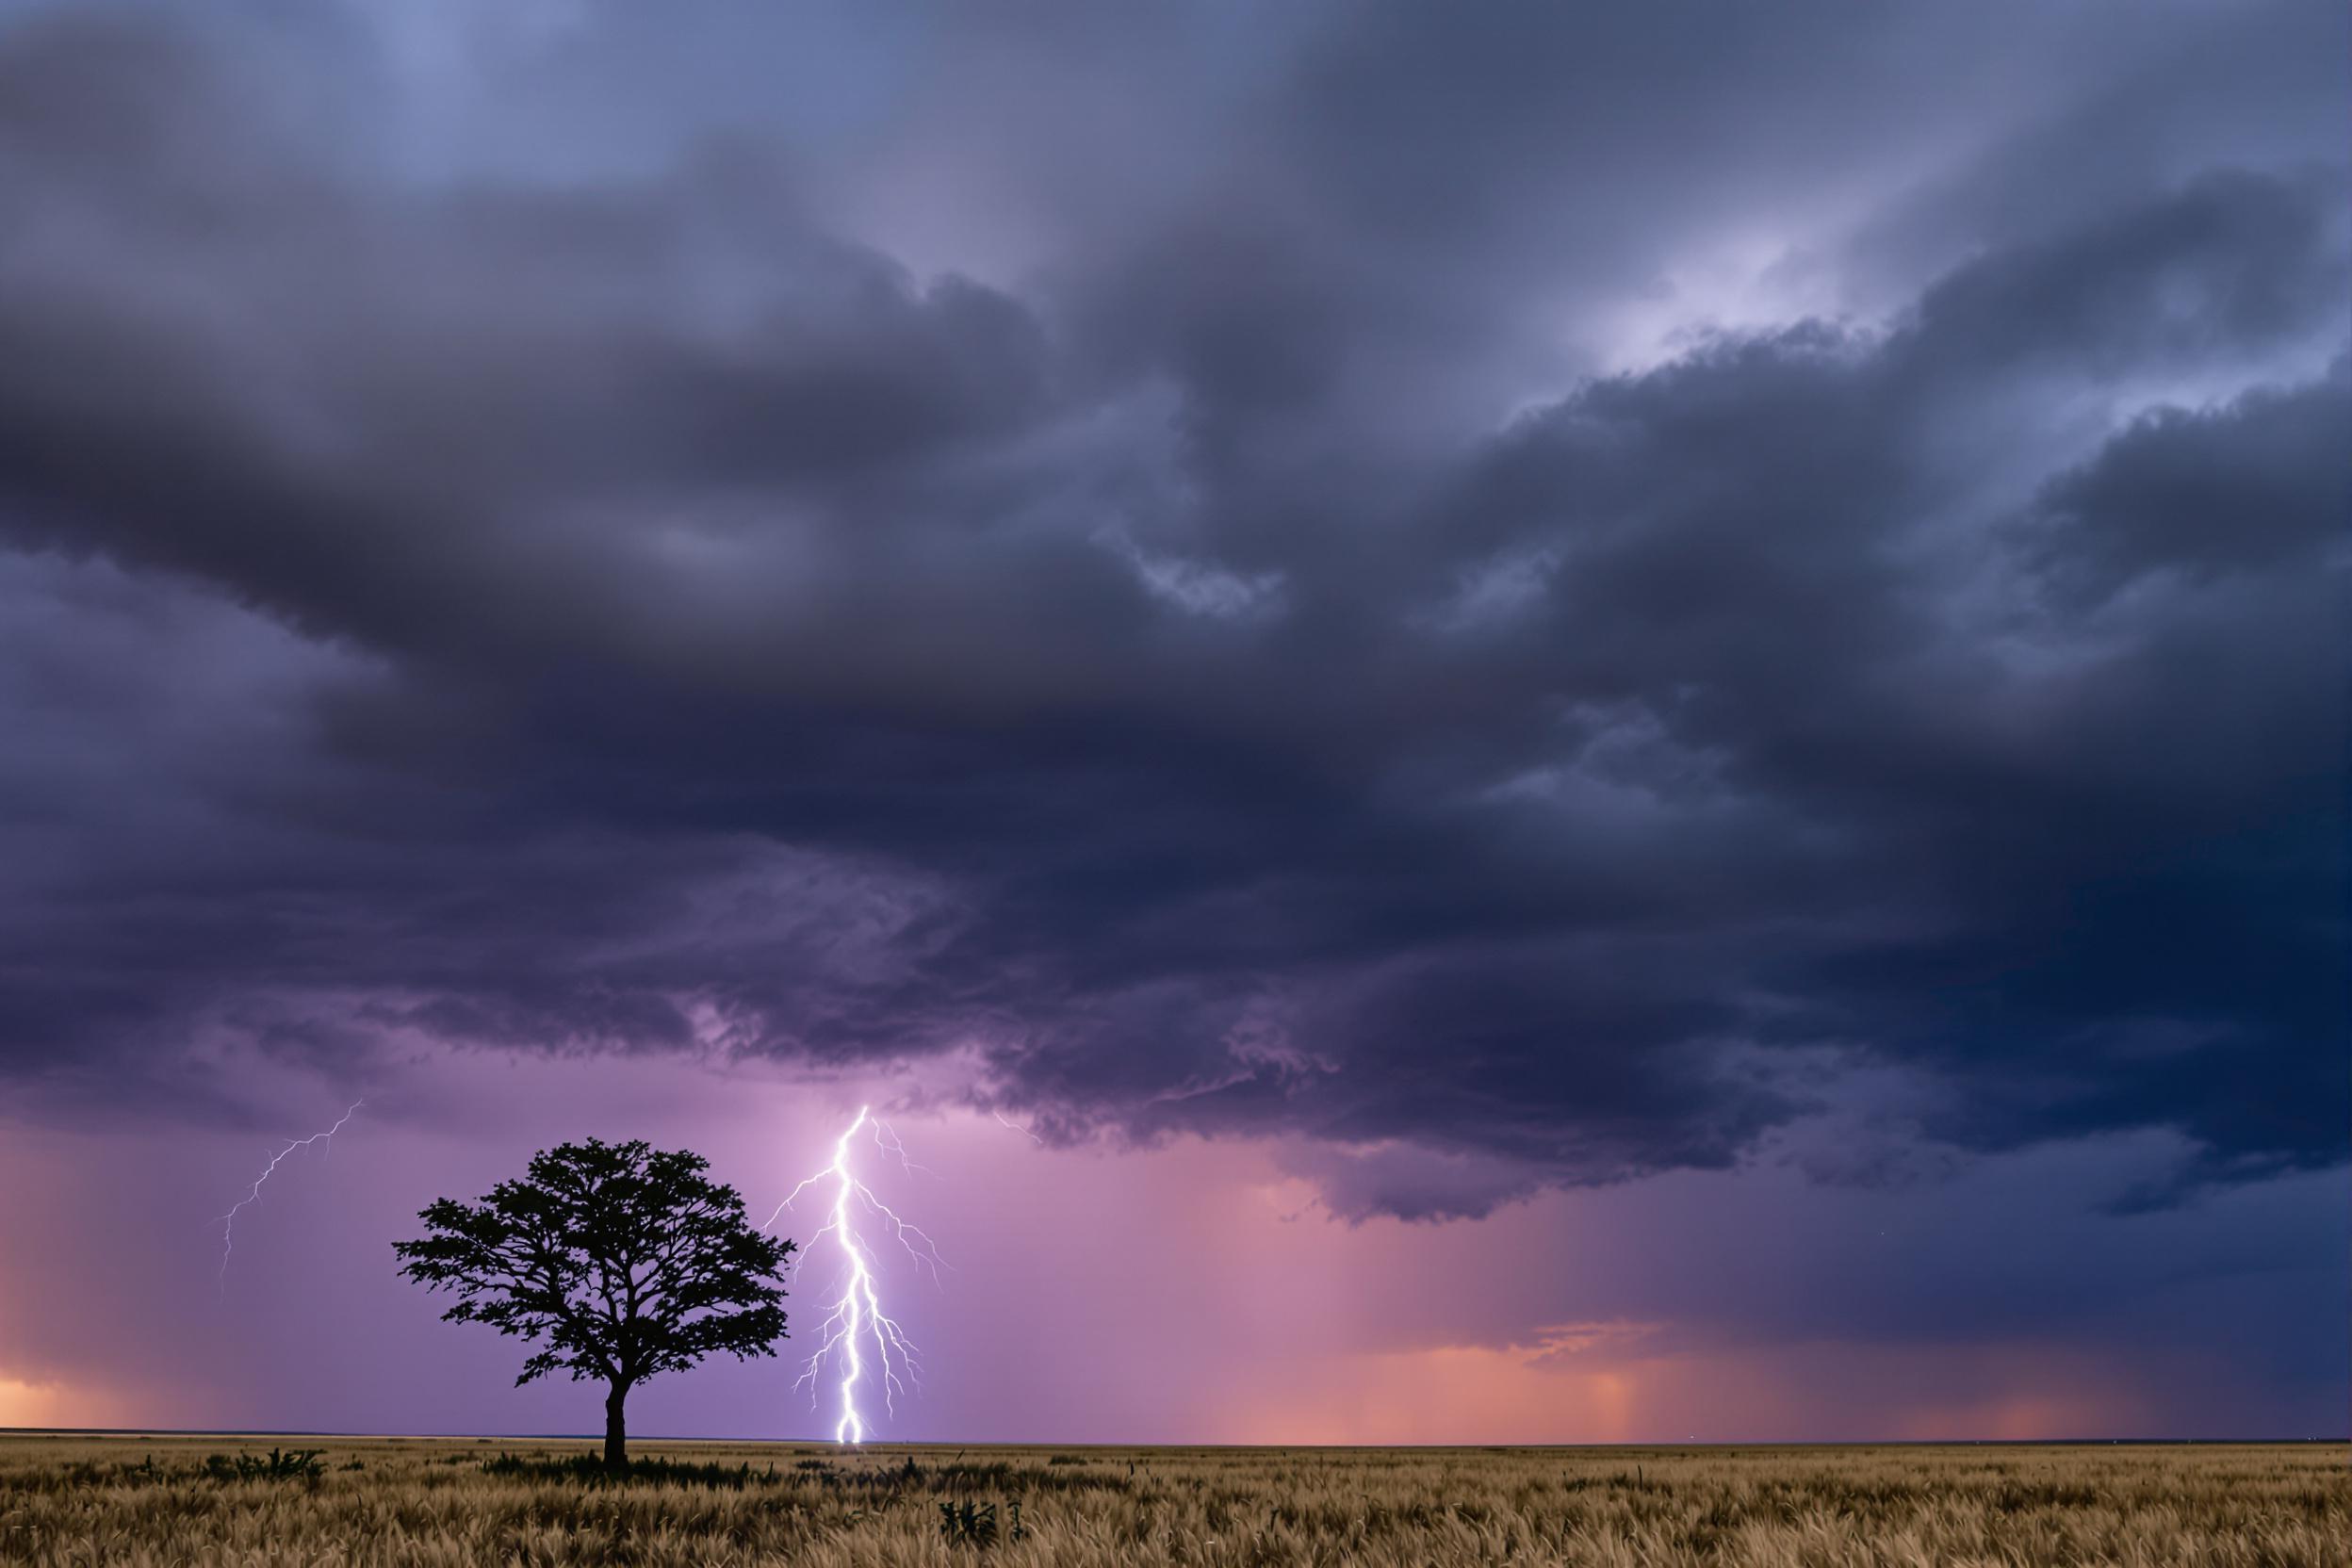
{"x":1522,"y":602}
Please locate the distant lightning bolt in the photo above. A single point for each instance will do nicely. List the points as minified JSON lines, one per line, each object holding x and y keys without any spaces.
{"x":228,"y":1220}
{"x":856,"y":1318}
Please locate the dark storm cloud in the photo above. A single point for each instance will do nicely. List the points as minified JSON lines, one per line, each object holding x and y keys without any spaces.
{"x":1248,"y":673}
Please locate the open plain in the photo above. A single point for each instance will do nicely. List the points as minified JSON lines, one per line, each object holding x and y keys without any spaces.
{"x":148,"y":1501}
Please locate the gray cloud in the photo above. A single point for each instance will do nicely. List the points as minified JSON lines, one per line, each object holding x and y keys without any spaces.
{"x":1249,"y":666}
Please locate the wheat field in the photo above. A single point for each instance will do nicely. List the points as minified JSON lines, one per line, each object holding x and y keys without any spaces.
{"x":130,"y":1501}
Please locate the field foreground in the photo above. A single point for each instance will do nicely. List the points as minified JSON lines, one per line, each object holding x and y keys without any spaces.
{"x":144,"y":1502}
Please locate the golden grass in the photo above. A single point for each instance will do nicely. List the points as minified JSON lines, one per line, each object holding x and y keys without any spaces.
{"x":145,"y":1502}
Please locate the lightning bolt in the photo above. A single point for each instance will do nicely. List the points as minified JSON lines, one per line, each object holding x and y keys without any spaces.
{"x":228,"y":1220}
{"x":856,"y":1319}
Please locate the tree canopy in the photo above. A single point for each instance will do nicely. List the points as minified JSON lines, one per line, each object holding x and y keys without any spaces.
{"x":620,"y":1261}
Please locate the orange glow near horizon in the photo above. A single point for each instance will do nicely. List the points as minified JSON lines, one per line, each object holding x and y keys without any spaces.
{"x":39,"y":1405}
{"x":1533,"y":1395}
{"x":1450,"y":1394}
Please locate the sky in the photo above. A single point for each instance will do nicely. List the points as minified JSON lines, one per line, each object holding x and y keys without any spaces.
{"x":1495,"y":724}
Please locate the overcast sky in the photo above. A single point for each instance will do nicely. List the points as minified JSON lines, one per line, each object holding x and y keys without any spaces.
{"x":1493,"y":722}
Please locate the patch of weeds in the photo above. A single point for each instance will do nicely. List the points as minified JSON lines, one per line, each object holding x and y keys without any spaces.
{"x":894,"y":1477}
{"x":1001,"y":1474}
{"x":290,"y":1465}
{"x":968,"y":1523}
{"x":589,"y":1469}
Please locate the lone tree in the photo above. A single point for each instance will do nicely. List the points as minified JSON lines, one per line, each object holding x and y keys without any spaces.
{"x":624,"y":1259}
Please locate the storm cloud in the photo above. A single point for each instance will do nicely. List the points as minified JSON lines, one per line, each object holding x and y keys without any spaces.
{"x":1523,"y":601}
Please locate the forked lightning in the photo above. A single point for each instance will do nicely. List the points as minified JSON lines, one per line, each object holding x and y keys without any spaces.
{"x":854,"y":1319}
{"x":228,"y":1220}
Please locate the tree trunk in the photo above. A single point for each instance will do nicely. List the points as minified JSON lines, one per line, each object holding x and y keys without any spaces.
{"x":615,"y":1428}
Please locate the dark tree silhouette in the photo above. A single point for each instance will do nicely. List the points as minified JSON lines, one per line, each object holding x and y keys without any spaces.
{"x":624,"y":1259}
